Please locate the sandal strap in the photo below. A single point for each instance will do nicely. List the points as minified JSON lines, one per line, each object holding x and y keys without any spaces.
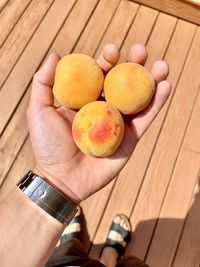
{"x":73,"y":234}
{"x":126,"y":236}
{"x":76,"y":219}
{"x":70,"y":236}
{"x":124,"y":233}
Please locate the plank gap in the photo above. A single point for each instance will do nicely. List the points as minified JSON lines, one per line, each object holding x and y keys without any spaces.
{"x":7,"y":73}
{"x":2,"y":40}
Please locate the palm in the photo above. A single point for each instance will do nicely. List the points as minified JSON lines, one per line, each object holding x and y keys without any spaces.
{"x":59,"y":155}
{"x":56,"y":154}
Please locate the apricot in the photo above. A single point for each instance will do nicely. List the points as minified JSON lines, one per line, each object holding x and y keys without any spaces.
{"x":98,"y":129}
{"x":129,"y":87}
{"x":78,"y":80}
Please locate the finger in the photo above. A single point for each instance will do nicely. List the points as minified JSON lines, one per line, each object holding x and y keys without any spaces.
{"x":142,"y":121}
{"x":67,"y":113}
{"x":138,"y":54}
{"x":41,"y":92}
{"x":160,"y":71}
{"x":108,"y":57}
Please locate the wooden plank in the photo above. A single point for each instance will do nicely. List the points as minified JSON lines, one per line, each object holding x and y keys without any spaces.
{"x":99,"y":21}
{"x":10,"y":15}
{"x":193,"y":141}
{"x":12,"y":138}
{"x":190,"y":238}
{"x":188,"y":250}
{"x":165,"y":154}
{"x":22,"y":73}
{"x":23,"y":163}
{"x":177,"y":8}
{"x":67,"y":37}
{"x":177,"y":200}
{"x":20,"y":36}
{"x":119,"y":25}
{"x":93,"y":209}
{"x":163,"y":30}
{"x":123,"y":193}
{"x":138,"y":34}
{"x":3,"y":4}
{"x":194,"y":2}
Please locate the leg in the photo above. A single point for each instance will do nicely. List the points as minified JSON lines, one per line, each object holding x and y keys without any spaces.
{"x":109,"y":257}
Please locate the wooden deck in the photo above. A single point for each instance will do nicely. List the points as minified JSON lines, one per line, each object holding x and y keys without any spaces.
{"x":159,"y":188}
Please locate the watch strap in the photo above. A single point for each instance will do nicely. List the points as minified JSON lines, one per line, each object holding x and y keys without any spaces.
{"x":47,"y":197}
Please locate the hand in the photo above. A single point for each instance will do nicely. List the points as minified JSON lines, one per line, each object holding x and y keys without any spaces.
{"x":57,"y":157}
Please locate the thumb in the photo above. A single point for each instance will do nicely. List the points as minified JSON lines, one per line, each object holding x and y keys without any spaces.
{"x":43,"y":79}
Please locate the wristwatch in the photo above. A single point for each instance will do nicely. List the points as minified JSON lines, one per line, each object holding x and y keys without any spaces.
{"x":47,"y":197}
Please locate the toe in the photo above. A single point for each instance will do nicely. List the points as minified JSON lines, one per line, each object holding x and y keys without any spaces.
{"x":117,"y":220}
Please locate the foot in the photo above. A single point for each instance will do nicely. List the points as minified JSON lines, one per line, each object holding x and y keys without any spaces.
{"x":117,"y":240}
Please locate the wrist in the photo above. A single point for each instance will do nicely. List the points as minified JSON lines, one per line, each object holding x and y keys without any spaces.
{"x":26,"y":227}
{"x":34,"y":210}
{"x":55,"y":182}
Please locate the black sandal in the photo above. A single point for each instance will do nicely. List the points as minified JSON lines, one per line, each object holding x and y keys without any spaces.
{"x":115,"y":228}
{"x":73,"y":230}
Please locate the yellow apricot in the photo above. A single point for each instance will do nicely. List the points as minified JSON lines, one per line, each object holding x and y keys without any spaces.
{"x":129,"y":87}
{"x":78,"y":80}
{"x":98,"y":129}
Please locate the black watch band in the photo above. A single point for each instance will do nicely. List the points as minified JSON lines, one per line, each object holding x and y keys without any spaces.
{"x":47,"y":197}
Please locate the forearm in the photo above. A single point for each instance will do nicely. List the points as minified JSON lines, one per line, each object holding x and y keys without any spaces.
{"x":28,"y":234}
